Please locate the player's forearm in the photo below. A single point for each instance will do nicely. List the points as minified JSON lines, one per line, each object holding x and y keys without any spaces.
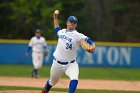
{"x":29,"y":49}
{"x":56,"y":24}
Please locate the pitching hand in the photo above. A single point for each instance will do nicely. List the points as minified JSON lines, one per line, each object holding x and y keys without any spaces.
{"x":55,"y":14}
{"x":91,"y":48}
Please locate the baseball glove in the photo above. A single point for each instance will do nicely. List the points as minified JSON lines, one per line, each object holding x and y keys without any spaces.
{"x":85,"y":46}
{"x":45,"y":53}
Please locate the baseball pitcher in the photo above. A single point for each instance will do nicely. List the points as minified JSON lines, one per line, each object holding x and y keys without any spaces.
{"x":65,"y":54}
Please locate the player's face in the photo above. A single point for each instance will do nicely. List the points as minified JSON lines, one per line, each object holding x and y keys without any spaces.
{"x":37,"y":34}
{"x":71,"y":25}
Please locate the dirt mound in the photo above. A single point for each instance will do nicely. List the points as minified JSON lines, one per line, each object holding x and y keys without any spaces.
{"x":125,"y":85}
{"x":26,"y":91}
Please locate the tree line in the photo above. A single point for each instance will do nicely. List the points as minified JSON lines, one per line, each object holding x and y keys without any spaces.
{"x":101,"y":20}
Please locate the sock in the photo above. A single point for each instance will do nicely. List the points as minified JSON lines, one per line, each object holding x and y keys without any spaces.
{"x":48,"y":86}
{"x":73,"y":86}
{"x":35,"y":71}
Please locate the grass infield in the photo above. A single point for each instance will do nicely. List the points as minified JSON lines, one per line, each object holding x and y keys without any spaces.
{"x":85,"y":72}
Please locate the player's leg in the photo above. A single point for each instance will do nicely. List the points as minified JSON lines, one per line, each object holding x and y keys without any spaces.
{"x":38,"y":64}
{"x":73,"y":72}
{"x":40,"y":60}
{"x":35,"y":58}
{"x":55,"y":74}
{"x":47,"y":87}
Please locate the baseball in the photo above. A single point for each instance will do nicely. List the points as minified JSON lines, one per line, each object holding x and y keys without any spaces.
{"x":56,"y":11}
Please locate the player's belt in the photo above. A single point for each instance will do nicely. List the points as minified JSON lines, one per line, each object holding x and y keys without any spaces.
{"x":64,"y":63}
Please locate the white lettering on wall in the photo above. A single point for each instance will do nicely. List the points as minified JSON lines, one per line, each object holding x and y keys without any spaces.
{"x":125,"y":56}
{"x":112,"y":55}
{"x":100,"y":52}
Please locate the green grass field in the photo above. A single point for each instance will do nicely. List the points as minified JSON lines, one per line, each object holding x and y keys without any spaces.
{"x":85,"y":73}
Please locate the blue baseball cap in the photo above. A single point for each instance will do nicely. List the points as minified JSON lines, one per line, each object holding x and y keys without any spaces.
{"x":72,"y":19}
{"x":37,"y":31}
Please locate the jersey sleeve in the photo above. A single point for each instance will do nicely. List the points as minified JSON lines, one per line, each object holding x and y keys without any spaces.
{"x":31,"y":42}
{"x":30,"y":45}
{"x":88,"y":40}
{"x":81,"y":37}
{"x":57,"y":29}
{"x":45,"y":43}
{"x":60,"y":32}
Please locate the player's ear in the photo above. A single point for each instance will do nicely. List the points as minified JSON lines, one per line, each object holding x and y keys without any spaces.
{"x":67,"y":23}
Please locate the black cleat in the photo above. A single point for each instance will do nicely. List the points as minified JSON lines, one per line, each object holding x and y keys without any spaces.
{"x":33,"y":74}
{"x":45,"y":91}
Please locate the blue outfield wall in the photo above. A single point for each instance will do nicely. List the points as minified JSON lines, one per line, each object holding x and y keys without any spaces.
{"x":109,"y":55}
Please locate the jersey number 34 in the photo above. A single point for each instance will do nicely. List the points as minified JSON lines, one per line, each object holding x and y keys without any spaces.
{"x":68,"y":46}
